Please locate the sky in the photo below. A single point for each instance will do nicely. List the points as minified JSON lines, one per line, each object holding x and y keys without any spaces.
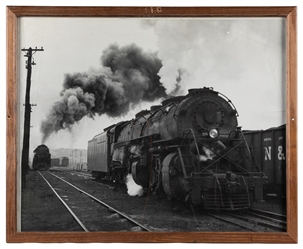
{"x":243,"y":59}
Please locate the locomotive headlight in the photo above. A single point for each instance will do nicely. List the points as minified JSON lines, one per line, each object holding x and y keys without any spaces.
{"x":213,"y":133}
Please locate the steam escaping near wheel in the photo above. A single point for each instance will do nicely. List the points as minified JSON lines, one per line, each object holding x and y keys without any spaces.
{"x":128,"y":76}
{"x":209,"y":151}
{"x":136,"y":150}
{"x":133,"y":189}
{"x":207,"y":154}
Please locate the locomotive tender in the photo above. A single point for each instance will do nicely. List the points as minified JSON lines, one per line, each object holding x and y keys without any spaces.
{"x":42,"y":158}
{"x":189,"y":148}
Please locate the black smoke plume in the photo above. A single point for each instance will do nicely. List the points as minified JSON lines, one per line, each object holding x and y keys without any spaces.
{"x":129,"y":75}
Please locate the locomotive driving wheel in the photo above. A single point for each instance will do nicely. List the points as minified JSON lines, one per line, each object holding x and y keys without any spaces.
{"x":173,"y":180}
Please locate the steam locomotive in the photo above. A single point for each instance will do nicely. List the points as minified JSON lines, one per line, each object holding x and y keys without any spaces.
{"x":190,"y":148}
{"x":42,"y":158}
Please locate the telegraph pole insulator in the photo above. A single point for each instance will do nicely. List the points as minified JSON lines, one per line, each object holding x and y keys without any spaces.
{"x":27,"y":113}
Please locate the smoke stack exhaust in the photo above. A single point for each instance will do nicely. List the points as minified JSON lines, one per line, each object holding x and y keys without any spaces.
{"x":129,"y":75}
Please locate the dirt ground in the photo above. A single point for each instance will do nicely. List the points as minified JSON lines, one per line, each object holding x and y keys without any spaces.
{"x":42,"y":211}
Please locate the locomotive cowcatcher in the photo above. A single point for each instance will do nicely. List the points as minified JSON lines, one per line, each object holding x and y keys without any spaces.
{"x":189,"y":148}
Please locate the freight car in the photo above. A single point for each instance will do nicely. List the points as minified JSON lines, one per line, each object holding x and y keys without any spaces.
{"x":42,"y":158}
{"x":64,"y":161}
{"x":60,"y":162}
{"x":268,"y":149}
{"x":190,"y":148}
{"x":55,"y":161}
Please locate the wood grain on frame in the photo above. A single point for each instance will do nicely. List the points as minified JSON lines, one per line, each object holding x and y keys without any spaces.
{"x":291,"y":236}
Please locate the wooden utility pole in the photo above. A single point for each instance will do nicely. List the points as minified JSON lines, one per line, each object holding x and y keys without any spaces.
{"x":27,"y":114}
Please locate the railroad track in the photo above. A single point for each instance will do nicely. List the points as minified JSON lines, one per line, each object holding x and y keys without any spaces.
{"x":253,"y":220}
{"x":85,"y":175}
{"x":79,"y":173}
{"x":91,"y":214}
{"x":278,"y":219}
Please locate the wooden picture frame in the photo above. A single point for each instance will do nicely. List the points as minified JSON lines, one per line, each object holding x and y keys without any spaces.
{"x":14,"y":12}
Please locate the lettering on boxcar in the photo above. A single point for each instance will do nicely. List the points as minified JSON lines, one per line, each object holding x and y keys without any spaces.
{"x":267,"y":153}
{"x":281,"y":155}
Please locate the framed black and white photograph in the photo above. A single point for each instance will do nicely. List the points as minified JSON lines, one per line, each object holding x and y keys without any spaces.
{"x":151,"y":124}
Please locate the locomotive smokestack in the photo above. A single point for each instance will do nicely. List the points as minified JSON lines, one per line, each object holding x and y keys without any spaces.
{"x":129,"y":75}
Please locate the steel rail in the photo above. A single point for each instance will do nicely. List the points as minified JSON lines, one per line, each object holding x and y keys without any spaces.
{"x":229,"y":221}
{"x":103,"y":203}
{"x":261,"y":223}
{"x":273,"y":217}
{"x":64,"y":203}
{"x":269,"y":214}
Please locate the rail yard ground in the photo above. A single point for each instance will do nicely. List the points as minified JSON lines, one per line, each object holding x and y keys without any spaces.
{"x":41,"y":210}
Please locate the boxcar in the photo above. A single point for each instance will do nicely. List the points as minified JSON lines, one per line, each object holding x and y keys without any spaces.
{"x":55,"y":161}
{"x":64,"y":161}
{"x":268,"y":149}
{"x":60,"y":162}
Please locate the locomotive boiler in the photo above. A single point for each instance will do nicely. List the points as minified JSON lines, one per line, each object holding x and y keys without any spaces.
{"x":42,"y":158}
{"x":189,"y":148}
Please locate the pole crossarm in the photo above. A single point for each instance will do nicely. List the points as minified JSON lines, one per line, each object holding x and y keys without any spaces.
{"x":32,"y":49}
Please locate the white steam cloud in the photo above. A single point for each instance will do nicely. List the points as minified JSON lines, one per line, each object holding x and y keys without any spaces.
{"x":133,"y":189}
